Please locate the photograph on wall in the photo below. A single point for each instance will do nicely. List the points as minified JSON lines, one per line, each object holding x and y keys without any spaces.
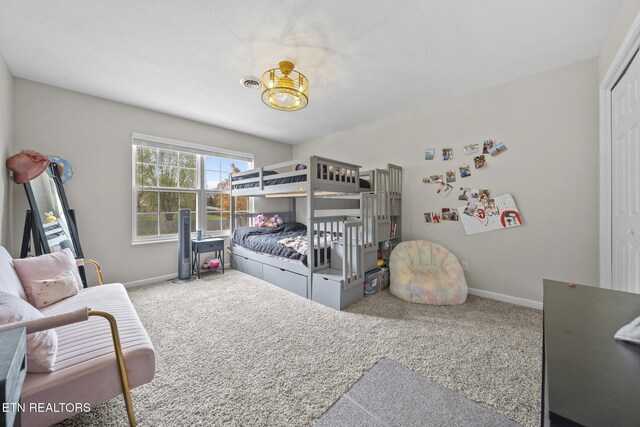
{"x":450,"y":214}
{"x":433,"y":179}
{"x":435,"y":217}
{"x":471,"y":149}
{"x":479,"y":161}
{"x":447,"y":153}
{"x":483,"y":195}
{"x":465,"y":171}
{"x":427,"y":217}
{"x":465,"y":193}
{"x":444,"y":189}
{"x":498,"y":213}
{"x":497,"y":149}
{"x":474,"y":194}
{"x":487,"y":144}
{"x":450,"y":176}
{"x":429,"y":153}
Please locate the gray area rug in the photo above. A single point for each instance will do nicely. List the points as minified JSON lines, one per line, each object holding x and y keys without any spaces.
{"x":234,"y":350}
{"x":392,"y":395}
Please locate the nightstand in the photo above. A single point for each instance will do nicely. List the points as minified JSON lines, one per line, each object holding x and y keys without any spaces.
{"x":198,"y":247}
{"x":13,"y":369}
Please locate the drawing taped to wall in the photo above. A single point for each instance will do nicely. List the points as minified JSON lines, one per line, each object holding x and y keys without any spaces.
{"x":498,"y":213}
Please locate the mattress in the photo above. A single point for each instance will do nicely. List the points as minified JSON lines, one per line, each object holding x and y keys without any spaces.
{"x":278,"y":181}
{"x":265,"y":240}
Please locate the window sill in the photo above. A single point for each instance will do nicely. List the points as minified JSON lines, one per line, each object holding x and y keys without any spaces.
{"x":175,"y":239}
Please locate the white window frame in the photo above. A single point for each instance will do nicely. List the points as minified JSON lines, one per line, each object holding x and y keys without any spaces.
{"x":201,"y":192}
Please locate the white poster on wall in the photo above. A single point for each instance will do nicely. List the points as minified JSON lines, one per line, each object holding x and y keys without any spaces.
{"x":484,"y":214}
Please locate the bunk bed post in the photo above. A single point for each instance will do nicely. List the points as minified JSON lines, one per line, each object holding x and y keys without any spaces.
{"x":261,"y":175}
{"x":311,"y":187}
{"x":232,"y":212}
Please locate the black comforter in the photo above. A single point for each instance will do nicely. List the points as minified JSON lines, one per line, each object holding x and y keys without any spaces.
{"x":265,"y":239}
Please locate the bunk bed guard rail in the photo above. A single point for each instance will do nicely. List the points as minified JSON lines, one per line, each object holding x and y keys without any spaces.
{"x":344,"y":238}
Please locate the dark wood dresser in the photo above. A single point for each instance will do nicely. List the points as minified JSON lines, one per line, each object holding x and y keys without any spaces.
{"x":589,"y":378}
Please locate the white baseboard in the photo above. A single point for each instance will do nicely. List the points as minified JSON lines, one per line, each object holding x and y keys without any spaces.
{"x":150,"y":280}
{"x":506,"y":298}
{"x":157,"y":279}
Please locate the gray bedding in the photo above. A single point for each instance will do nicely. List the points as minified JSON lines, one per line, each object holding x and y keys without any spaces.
{"x":265,"y":239}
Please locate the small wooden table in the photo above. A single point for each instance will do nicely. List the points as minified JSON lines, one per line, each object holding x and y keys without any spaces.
{"x":199,"y":247}
{"x":589,"y":378}
{"x":13,"y":369}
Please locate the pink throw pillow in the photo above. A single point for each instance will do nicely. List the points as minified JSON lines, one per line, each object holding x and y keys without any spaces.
{"x":45,"y":267}
{"x":42,"y":347}
{"x":49,"y":291}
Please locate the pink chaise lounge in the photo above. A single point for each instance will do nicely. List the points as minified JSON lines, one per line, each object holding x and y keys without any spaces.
{"x":87,"y":369}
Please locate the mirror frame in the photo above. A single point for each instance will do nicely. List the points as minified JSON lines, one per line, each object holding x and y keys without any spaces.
{"x":34,"y":226}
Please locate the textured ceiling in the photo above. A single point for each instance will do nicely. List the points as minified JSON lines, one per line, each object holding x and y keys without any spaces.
{"x":365,"y":59}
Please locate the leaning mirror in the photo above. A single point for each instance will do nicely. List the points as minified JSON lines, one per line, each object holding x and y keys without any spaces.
{"x":50,"y":222}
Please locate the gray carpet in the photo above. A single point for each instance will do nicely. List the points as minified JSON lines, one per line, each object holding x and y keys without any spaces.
{"x":392,"y":395}
{"x":234,"y":350}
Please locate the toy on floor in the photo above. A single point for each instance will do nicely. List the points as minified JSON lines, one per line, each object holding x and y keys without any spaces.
{"x":210,"y":263}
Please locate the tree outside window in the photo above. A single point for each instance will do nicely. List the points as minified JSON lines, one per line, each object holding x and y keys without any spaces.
{"x":168,"y":180}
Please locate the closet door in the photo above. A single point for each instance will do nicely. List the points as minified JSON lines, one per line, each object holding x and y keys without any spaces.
{"x":626,"y":180}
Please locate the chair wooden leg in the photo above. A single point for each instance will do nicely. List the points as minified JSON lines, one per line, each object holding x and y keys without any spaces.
{"x":126,"y":391}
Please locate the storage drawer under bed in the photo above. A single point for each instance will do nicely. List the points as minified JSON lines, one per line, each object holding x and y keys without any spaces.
{"x":333,"y":293}
{"x":246,"y":265}
{"x":292,"y":282}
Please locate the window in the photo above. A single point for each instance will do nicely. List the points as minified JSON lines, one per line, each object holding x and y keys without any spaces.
{"x":171,"y":175}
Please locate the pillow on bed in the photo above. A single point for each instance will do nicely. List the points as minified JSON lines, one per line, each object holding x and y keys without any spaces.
{"x":293,"y":226}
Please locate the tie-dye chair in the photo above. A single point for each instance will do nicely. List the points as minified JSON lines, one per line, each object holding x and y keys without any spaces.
{"x":427,"y":273}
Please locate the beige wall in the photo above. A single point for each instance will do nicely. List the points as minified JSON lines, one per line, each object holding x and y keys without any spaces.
{"x":549,"y":123}
{"x":95,"y":136}
{"x":6,"y":148}
{"x":626,"y":14}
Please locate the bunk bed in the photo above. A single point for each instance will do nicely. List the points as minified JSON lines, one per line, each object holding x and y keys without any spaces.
{"x":325,"y":262}
{"x":350,"y":214}
{"x":381,"y":210}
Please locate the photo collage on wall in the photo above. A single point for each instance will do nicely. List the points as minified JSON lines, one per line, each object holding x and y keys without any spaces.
{"x":480,"y":212}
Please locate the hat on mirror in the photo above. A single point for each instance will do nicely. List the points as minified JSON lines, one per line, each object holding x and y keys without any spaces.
{"x":27,"y":165}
